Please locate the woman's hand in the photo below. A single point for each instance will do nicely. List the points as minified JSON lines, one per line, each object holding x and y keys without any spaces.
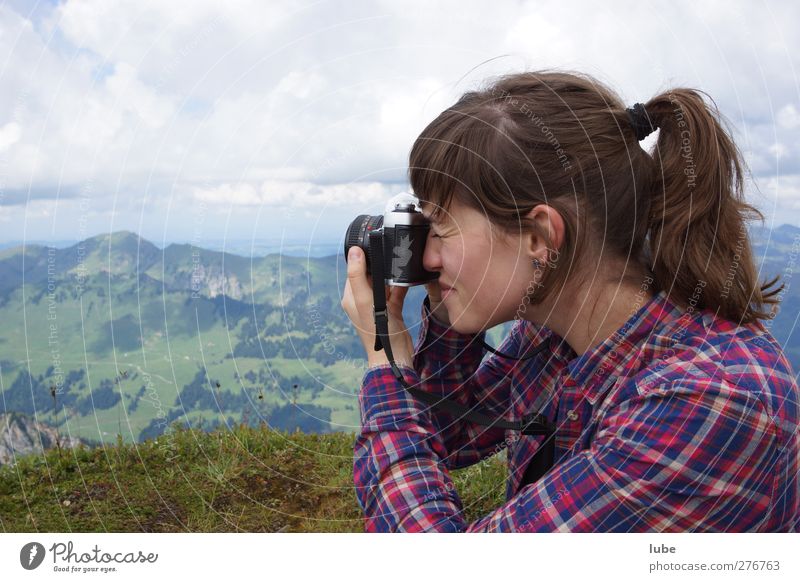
{"x":438,"y":310}
{"x":357,"y":302}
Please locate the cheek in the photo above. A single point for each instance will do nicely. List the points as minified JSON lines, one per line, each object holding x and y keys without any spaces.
{"x":453,"y":261}
{"x":506,"y":281}
{"x":474,"y":268}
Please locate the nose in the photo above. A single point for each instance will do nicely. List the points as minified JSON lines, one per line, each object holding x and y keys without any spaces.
{"x":432,"y":258}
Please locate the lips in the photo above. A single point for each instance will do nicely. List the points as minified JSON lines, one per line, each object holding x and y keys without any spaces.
{"x":446,"y":291}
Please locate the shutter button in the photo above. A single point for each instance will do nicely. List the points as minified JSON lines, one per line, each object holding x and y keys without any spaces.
{"x":572,"y":415}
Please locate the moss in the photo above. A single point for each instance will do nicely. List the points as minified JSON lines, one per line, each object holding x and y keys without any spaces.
{"x":245,"y":479}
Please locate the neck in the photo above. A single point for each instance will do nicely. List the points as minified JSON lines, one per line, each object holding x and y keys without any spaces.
{"x":590,"y":315}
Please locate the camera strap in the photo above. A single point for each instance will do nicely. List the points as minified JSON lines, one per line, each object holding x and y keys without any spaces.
{"x":531,"y":424}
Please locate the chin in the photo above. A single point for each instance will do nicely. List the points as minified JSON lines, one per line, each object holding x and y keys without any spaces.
{"x":465,"y":327}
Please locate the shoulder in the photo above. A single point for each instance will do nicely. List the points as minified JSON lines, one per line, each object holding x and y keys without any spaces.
{"x":703,"y":345}
{"x":726,"y":362}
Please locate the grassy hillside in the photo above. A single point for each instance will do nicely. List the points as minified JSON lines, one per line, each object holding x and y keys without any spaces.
{"x":130,"y":335}
{"x":237,"y":479}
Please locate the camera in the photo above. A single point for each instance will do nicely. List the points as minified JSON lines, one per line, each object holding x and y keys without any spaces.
{"x":394,"y":244}
{"x":403,"y":232}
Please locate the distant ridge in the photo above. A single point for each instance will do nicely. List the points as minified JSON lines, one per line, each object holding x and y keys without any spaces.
{"x":259,"y":247}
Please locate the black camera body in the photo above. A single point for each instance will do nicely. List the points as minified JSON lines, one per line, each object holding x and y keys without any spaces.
{"x":403,"y":232}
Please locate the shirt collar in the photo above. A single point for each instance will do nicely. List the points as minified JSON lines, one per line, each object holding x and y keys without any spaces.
{"x":600,"y":367}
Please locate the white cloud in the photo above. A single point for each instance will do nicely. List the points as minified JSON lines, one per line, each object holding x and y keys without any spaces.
{"x":300,"y":85}
{"x":788,"y":117}
{"x":297,"y":194}
{"x":9,"y":135}
{"x":132,"y":95}
{"x":270,"y":103}
{"x":229,"y":194}
{"x":784,"y":191}
{"x":779,"y":150}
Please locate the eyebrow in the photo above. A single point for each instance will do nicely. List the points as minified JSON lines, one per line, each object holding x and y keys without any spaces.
{"x":441,"y":220}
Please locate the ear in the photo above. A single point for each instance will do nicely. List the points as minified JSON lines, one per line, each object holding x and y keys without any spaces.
{"x":549,"y":221}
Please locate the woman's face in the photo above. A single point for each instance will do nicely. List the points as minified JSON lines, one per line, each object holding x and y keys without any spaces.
{"x":488,"y":274}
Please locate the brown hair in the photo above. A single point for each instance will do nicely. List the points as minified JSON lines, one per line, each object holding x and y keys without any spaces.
{"x":566,"y":140}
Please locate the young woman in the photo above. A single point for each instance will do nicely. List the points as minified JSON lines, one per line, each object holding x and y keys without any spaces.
{"x":675,"y":408}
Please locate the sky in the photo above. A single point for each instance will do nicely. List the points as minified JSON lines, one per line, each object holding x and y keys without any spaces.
{"x":199,"y":120}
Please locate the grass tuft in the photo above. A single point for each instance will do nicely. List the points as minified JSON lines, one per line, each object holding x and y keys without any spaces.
{"x":244,"y":479}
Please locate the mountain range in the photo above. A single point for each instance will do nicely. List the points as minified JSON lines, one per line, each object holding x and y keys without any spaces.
{"x":114,"y":335}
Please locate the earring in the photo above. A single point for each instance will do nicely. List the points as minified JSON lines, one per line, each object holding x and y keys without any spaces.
{"x":536,"y":264}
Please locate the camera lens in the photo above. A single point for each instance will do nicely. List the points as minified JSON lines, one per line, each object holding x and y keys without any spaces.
{"x":358,"y":233}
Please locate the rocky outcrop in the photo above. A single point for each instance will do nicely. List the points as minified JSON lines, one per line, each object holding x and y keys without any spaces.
{"x":211,"y":281}
{"x":22,"y":435}
{"x":220,"y":284}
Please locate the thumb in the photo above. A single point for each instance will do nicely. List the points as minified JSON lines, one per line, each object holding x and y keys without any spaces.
{"x":434,"y":291}
{"x":396,"y":297}
{"x":357,"y":273}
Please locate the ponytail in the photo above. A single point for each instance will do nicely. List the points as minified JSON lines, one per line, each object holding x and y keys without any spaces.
{"x":699,"y":245}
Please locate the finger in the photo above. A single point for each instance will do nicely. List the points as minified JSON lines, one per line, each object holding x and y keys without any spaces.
{"x":434,"y":291}
{"x":397,"y":296}
{"x":357,"y":277}
{"x":347,"y":297}
{"x":348,"y":292}
{"x":395,"y":304}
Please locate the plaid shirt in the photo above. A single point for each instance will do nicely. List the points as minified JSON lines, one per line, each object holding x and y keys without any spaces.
{"x":680,"y":421}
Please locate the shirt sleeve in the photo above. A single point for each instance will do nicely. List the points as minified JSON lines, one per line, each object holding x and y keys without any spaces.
{"x":693,"y":457}
{"x":449,"y":365}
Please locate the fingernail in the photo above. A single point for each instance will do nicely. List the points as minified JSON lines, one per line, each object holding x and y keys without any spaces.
{"x":354,"y":253}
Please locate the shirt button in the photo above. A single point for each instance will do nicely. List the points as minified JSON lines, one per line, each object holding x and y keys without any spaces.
{"x":572,"y":415}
